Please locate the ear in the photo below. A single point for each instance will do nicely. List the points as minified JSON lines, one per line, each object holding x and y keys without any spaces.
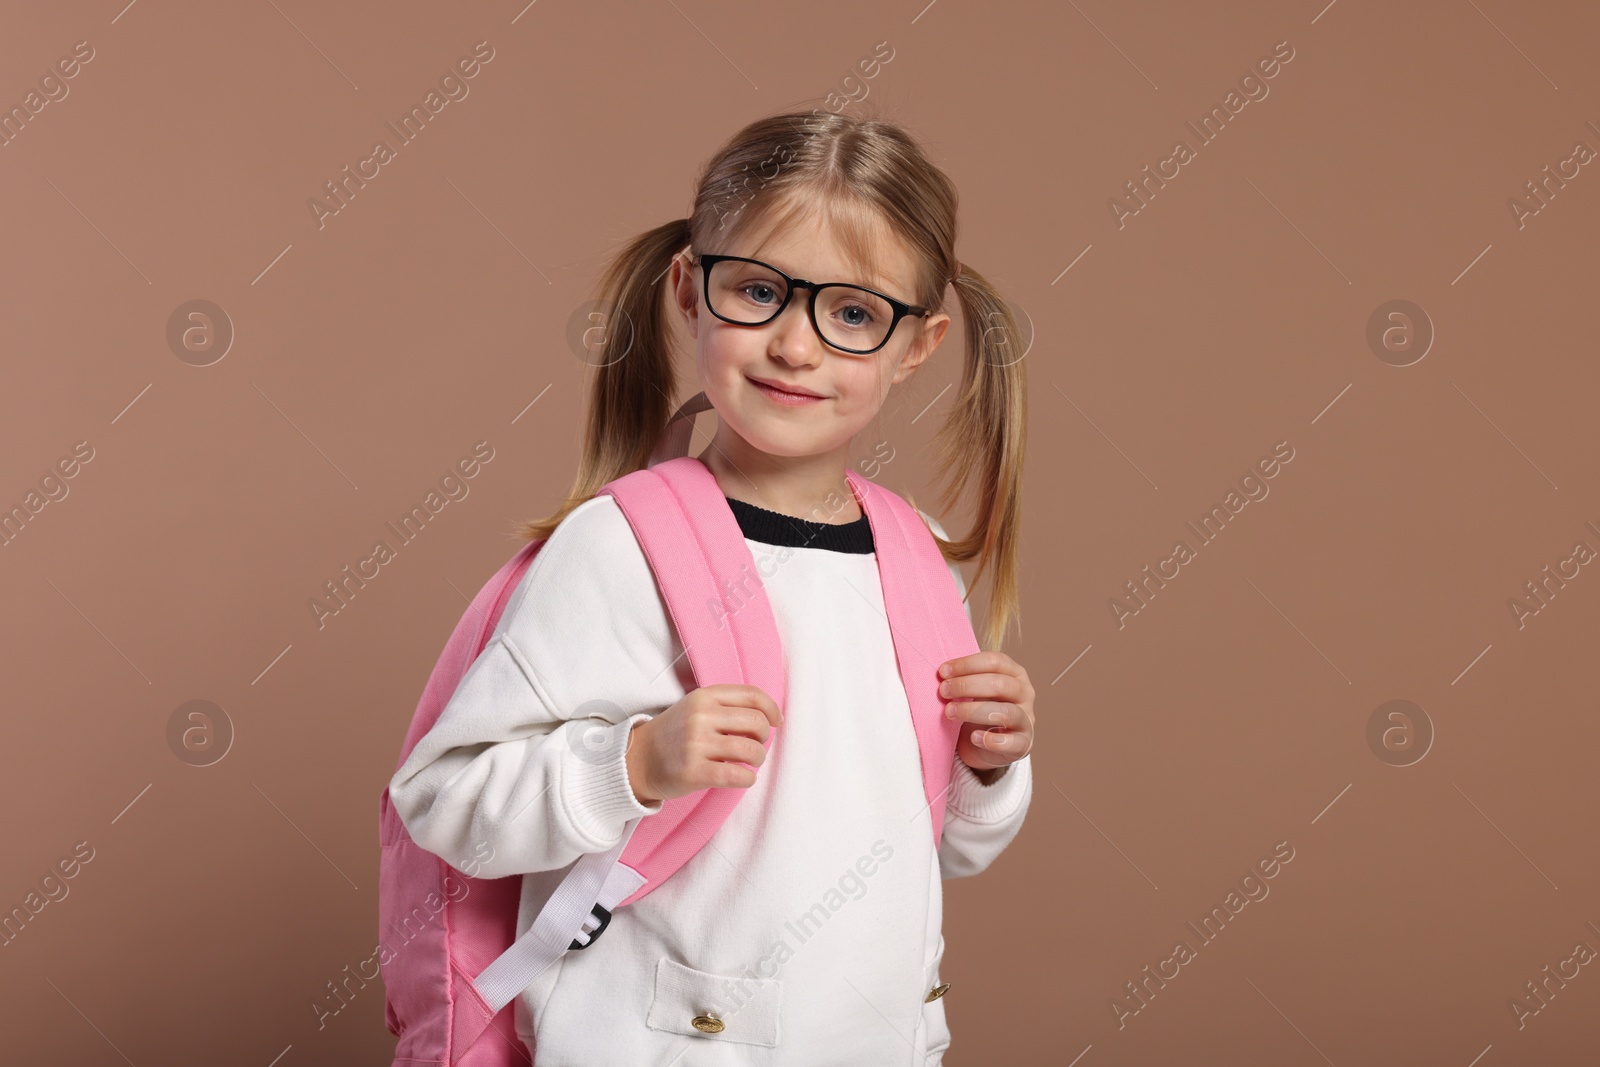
{"x":685,"y":296}
{"x":928,"y":338}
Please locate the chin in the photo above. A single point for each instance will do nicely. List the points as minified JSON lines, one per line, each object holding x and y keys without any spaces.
{"x":789,"y":446}
{"x":773,"y":438}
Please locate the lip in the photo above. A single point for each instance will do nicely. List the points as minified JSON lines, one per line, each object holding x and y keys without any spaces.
{"x":791,"y":396}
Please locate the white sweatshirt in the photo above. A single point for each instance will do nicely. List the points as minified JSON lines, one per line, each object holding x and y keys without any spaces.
{"x":814,"y":912}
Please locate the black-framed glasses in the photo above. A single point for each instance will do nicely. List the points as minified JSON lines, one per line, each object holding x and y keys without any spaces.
{"x":748,"y":292}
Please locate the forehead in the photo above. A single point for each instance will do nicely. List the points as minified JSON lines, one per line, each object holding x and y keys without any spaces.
{"x":817,"y":249}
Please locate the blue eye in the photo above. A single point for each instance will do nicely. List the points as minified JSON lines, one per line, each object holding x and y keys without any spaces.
{"x":861,"y":310}
{"x":760,"y":285}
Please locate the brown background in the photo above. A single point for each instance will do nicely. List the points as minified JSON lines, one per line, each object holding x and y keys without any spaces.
{"x":1230,"y":314}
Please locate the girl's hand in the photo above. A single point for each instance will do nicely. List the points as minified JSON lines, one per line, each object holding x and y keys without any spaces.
{"x":700,"y":742}
{"x":991,"y":693}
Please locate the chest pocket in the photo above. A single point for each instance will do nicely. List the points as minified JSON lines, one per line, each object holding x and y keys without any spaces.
{"x":715,"y":1007}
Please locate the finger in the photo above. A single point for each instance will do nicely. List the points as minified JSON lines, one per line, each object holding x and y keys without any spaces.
{"x":997,"y":741}
{"x":736,"y":748}
{"x":744,"y":722}
{"x":749,"y":696}
{"x":1011,"y":743}
{"x":720,"y":775}
{"x":988,"y":660}
{"x":985,"y":713}
{"x":983,"y":686}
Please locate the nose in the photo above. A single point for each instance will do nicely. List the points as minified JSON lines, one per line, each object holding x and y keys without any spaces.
{"x":794,"y":339}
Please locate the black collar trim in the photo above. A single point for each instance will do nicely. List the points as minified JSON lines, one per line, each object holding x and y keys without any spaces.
{"x":776,"y":528}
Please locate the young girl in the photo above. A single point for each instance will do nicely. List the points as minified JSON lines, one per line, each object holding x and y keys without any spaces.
{"x":818,"y":903}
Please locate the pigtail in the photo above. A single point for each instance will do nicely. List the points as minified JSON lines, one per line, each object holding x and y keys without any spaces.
{"x":983,"y":441}
{"x":630,"y":399}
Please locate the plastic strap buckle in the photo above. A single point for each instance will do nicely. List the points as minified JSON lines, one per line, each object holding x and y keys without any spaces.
{"x":601,"y":913}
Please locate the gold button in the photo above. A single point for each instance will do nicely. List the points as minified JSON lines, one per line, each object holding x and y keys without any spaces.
{"x":707,"y":1024}
{"x":936,"y":992}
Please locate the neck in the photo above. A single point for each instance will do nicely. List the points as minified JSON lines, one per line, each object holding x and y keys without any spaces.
{"x":805,"y":487}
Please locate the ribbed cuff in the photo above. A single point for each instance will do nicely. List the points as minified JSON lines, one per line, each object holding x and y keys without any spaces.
{"x":595,"y":790}
{"x":972,"y":799}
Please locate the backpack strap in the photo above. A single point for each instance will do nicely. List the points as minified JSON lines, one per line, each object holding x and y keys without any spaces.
{"x":697,"y":553}
{"x":928,"y":625}
{"x":723,"y":618}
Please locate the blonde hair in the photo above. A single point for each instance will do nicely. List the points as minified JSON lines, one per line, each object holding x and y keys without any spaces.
{"x":859,"y":175}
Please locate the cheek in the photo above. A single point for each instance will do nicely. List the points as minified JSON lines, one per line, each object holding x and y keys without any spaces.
{"x":864,"y":384}
{"x":718,"y":358}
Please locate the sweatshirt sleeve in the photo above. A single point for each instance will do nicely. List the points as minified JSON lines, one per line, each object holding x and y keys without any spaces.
{"x":980,"y":820}
{"x":529,"y":754}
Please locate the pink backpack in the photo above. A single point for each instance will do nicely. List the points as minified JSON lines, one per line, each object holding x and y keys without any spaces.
{"x":451,"y":958}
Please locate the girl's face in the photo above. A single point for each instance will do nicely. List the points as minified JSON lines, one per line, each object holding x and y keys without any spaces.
{"x":731,"y":358}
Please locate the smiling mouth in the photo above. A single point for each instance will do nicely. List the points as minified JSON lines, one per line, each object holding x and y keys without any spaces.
{"x":783,"y":396}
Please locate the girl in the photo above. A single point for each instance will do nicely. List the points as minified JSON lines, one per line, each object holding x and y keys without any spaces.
{"x":818,"y":904}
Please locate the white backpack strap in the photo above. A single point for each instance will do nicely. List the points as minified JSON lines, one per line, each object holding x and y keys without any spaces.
{"x":595,"y":885}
